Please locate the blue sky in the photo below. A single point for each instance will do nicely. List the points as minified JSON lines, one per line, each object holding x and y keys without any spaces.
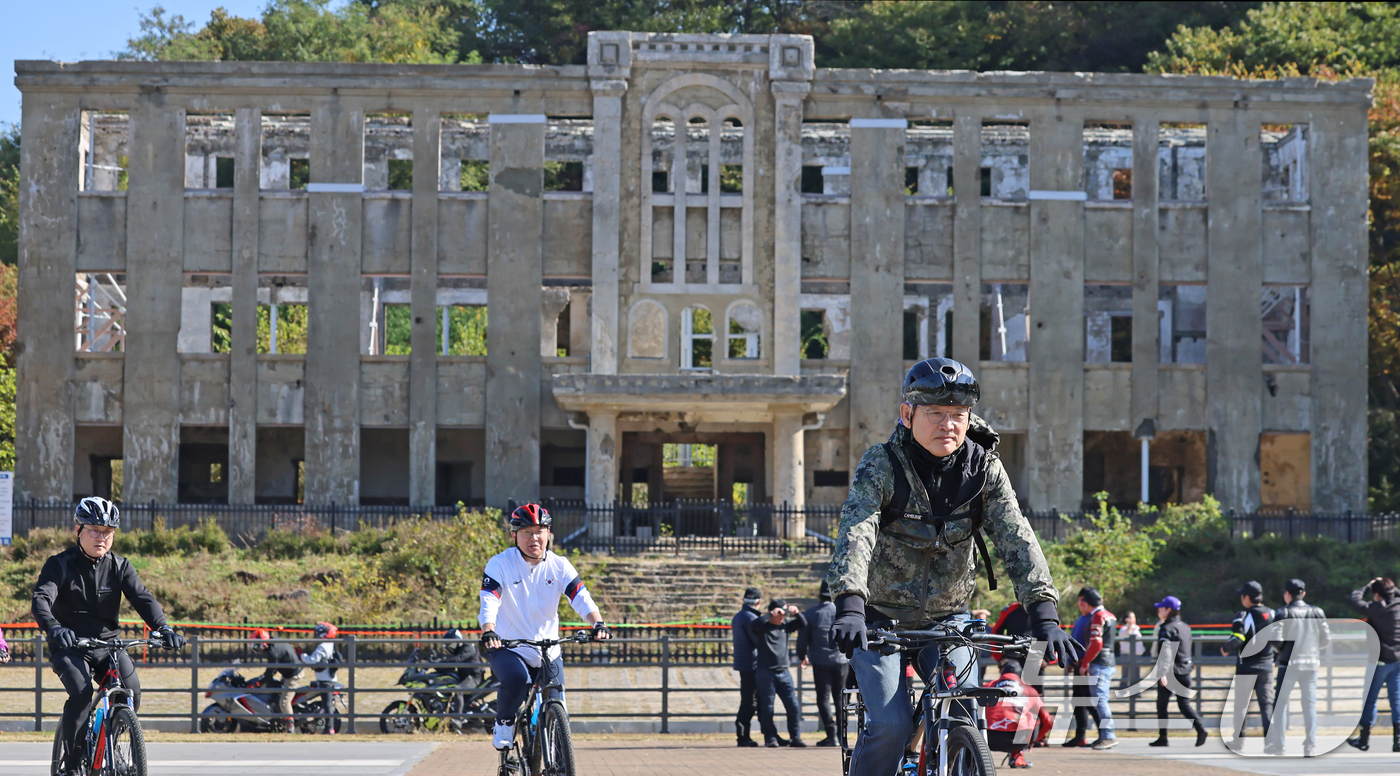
{"x":74,"y":30}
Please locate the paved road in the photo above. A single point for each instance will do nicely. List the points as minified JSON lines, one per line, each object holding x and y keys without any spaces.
{"x":1341,"y":761}
{"x":350,"y":758}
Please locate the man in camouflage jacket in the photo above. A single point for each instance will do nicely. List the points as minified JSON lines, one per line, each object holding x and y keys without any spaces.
{"x":917,"y":565}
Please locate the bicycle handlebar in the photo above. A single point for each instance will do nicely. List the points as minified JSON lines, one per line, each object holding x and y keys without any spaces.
{"x":579,"y":637}
{"x":123,"y":644}
{"x":902,"y":640}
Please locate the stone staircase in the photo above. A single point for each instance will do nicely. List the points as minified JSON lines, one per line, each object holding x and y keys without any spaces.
{"x":661,"y":590}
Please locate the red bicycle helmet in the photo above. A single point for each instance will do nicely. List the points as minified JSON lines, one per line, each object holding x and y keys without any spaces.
{"x":262,"y":637}
{"x":528,"y":515}
{"x":325,"y":630}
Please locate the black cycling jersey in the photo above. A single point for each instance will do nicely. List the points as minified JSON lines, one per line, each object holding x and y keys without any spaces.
{"x":84,"y":595}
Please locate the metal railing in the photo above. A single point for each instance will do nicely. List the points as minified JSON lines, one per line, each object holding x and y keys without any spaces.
{"x":690,"y":526}
{"x":665,"y":652}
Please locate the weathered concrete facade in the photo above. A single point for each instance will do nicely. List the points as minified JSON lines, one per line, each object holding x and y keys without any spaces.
{"x":694,"y":240}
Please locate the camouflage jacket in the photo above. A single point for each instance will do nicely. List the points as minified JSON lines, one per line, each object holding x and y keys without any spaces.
{"x":901,"y":569}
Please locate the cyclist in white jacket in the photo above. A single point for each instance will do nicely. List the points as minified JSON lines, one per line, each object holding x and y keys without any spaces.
{"x":520,"y":600}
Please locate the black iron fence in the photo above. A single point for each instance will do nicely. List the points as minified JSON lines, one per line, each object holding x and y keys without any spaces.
{"x":1340,"y":688}
{"x":675,"y":526}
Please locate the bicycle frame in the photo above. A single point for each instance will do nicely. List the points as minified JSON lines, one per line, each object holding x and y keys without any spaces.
{"x":110,"y":694}
{"x":546,"y":687}
{"x":934,"y":714}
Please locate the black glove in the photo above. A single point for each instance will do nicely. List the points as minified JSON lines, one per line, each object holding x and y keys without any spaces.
{"x":600,"y":631}
{"x":848,"y":629}
{"x":63,"y":638}
{"x":490,"y":642}
{"x":169,"y":638}
{"x":1060,"y":648}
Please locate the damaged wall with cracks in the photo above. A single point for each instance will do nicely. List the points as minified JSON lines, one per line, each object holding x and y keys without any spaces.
{"x":1088,"y":240}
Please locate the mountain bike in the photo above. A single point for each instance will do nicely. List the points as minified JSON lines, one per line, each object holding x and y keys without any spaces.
{"x":543,"y":745}
{"x":948,"y":739}
{"x":112,"y":734}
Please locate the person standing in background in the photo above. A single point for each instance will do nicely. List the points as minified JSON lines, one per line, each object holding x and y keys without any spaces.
{"x":770,"y":635}
{"x":4,"y":649}
{"x":746,"y":662}
{"x":1299,"y":659}
{"x":1131,"y":646}
{"x":1379,"y":603}
{"x":830,"y":667}
{"x":1259,"y":665}
{"x":1101,"y":627}
{"x":1172,"y":630}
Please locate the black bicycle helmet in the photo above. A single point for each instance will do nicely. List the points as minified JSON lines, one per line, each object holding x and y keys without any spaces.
{"x":527,"y":515}
{"x":941,"y":381}
{"x":95,"y":510}
{"x":453,"y":634}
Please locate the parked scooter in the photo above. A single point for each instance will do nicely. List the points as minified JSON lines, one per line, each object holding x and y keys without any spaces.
{"x":248,"y":705}
{"x":433,"y":697}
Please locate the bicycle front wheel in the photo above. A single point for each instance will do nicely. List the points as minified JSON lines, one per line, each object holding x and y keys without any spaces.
{"x":127,"y":756}
{"x":56,"y":768}
{"x":556,"y":743}
{"x":968,"y":754}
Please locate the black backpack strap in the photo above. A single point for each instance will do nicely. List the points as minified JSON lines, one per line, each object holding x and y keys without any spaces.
{"x":899,"y":500}
{"x":982,"y":550}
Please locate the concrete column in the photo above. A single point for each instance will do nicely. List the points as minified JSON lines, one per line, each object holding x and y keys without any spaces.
{"x":48,"y":250}
{"x":1056,"y":347}
{"x":422,"y":360}
{"x":243,"y":358}
{"x":967,"y":239}
{"x":604,"y":447}
{"x":514,"y":269}
{"x":155,"y":228}
{"x":607,"y":205}
{"x":1339,"y":303}
{"x":789,"y":470}
{"x":1146,"y":330}
{"x":332,"y":397}
{"x":877,"y":279}
{"x":787,"y":228}
{"x":1234,"y":330}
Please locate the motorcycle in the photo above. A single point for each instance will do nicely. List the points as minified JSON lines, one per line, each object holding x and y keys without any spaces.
{"x":434,"y":697}
{"x":246,"y":705}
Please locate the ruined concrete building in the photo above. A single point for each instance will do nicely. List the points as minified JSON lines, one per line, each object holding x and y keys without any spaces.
{"x":418,"y":284}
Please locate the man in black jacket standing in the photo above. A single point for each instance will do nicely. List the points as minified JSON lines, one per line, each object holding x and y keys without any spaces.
{"x":78,"y":596}
{"x":829,"y":666}
{"x":1379,"y":603}
{"x":1258,"y":668}
{"x":1299,"y":659}
{"x":745,"y":662}
{"x":770,"y":635}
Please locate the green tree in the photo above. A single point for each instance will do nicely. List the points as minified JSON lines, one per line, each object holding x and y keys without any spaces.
{"x":9,"y":194}
{"x":303,"y":31}
{"x":1084,"y":36}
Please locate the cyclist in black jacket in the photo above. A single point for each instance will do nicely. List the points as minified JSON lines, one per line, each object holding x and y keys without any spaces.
{"x":78,"y":595}
{"x":1259,"y":665}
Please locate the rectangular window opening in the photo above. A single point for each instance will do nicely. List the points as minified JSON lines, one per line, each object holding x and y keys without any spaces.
{"x":100,"y":312}
{"x":911,"y":181}
{"x":465,"y":143}
{"x":388,"y":152}
{"x":660,"y":182}
{"x":286,"y":152}
{"x":1181,"y":162}
{"x":731,"y":178}
{"x":1006,"y":159}
{"x":1005,"y":316}
{"x":1286,"y":314}
{"x":1285,"y":148}
{"x":206,"y":324}
{"x":104,"y":139}
{"x":814,"y":341}
{"x":223,"y":172}
{"x":811,"y":179}
{"x":1108,"y":324}
{"x":466,"y":330}
{"x":928,"y":149}
{"x":831,"y":478}
{"x":1181,"y":316}
{"x":282,"y":314}
{"x":826,"y":149}
{"x":1108,"y":159}
{"x":911,"y":335}
{"x":563,"y":176}
{"x":386,"y":316}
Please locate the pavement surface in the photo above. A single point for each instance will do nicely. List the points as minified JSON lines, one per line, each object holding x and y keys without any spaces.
{"x":682,"y":755}
{"x":254,"y":758}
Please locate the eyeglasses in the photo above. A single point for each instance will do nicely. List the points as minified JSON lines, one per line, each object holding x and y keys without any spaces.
{"x":99,"y":534}
{"x":935,"y":414}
